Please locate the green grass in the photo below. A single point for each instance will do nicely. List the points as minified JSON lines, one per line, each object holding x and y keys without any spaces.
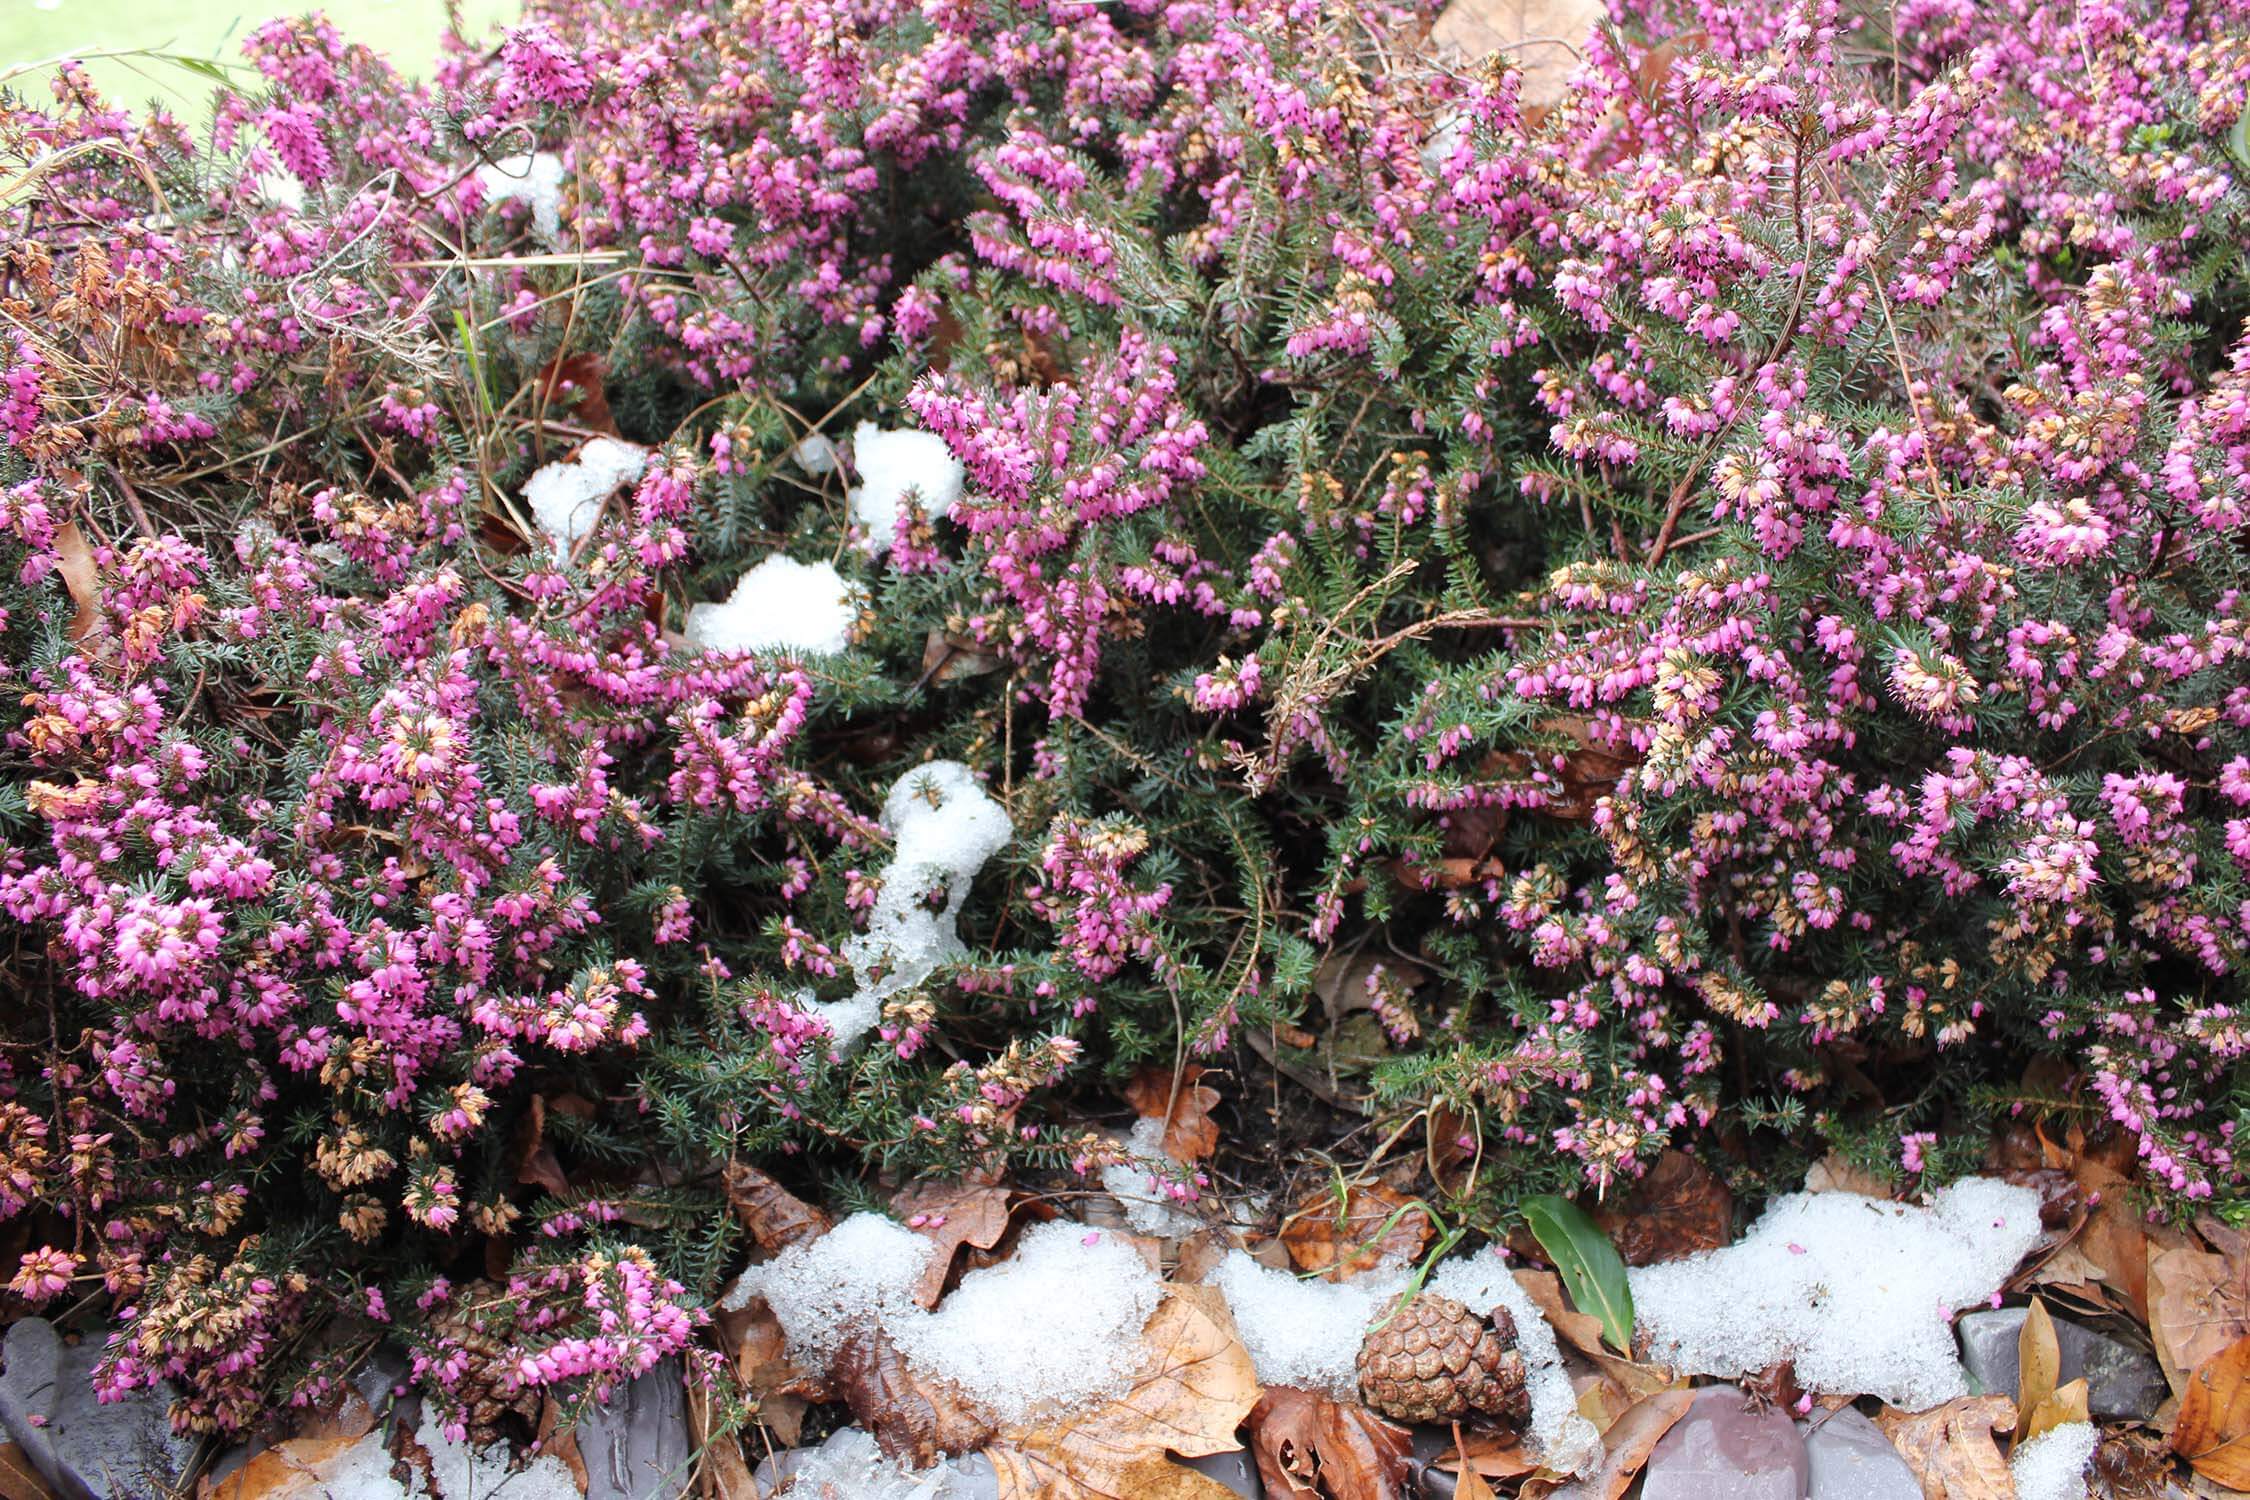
{"x":34,"y":31}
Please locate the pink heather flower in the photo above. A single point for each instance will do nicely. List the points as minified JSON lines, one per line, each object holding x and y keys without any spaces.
{"x":43,"y":1275}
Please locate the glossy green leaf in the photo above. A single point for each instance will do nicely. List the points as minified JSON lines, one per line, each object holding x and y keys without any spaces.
{"x":1592,"y":1270}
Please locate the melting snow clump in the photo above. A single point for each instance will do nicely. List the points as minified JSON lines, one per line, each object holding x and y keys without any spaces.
{"x":892,"y":464}
{"x":779,"y":605}
{"x":1304,"y":1333}
{"x":1566,"y":1441}
{"x":815,"y":454}
{"x":1147,"y":1207}
{"x":2052,"y":1466}
{"x":850,"y":1463}
{"x":536,"y":179}
{"x":1056,"y":1325}
{"x":865,"y":1267}
{"x":566,"y":497}
{"x":943,"y":828}
{"x":1858,"y":1292}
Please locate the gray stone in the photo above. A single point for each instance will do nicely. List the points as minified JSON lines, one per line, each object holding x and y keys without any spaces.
{"x":86,"y":1449}
{"x":1728,"y":1448}
{"x":1852,"y":1460}
{"x":1238,"y":1471}
{"x":636,"y":1446}
{"x":2121,"y":1381}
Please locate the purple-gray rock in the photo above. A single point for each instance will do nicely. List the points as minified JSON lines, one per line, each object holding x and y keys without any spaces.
{"x":636,"y":1446}
{"x":1728,"y":1447}
{"x":2121,"y":1381}
{"x":1238,"y":1471}
{"x":84,"y":1448}
{"x":1852,"y":1460}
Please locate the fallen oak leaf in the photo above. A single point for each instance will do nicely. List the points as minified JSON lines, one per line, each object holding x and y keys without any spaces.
{"x":2213,"y":1429}
{"x":1340,"y":1234}
{"x":1312,"y":1447}
{"x":1194,"y":1388}
{"x":1190,"y":1134}
{"x":1679,"y":1208}
{"x":2198,"y":1304}
{"x":2039,"y":1362}
{"x":775,"y":1217}
{"x":915,"y":1420}
{"x":1951,"y":1449}
{"x":2063,"y":1405}
{"x":18,"y":1479}
{"x":296,"y":1469}
{"x":950,"y":1215}
{"x":1488,"y":1455}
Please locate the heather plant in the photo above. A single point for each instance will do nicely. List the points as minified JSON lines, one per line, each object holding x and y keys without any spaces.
{"x":1724,"y":582}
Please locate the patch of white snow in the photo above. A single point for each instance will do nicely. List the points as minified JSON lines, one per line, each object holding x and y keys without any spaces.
{"x":1056,"y":1325}
{"x":1859,"y":1293}
{"x":780,"y":605}
{"x":566,"y":496}
{"x":1304,"y":1333}
{"x":815,"y":454}
{"x":535,"y":179}
{"x":943,"y":827}
{"x":865,"y":1267}
{"x":2052,"y":1466}
{"x":893,"y":465}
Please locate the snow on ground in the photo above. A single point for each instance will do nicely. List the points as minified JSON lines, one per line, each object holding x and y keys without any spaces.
{"x":779,"y":605}
{"x":943,"y":827}
{"x":2052,"y":1466}
{"x":1300,"y":1332}
{"x":566,"y":496}
{"x":536,"y":179}
{"x":1858,"y":1292}
{"x":1056,"y":1325}
{"x":815,"y":454}
{"x":893,"y":465}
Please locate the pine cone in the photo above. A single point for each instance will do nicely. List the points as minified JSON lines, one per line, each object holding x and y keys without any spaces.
{"x":1435,"y":1361}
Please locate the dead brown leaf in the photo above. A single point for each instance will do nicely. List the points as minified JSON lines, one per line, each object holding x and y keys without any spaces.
{"x":950,"y":1215}
{"x":299,"y":1469}
{"x":954,"y":658}
{"x":18,"y":1479}
{"x":1583,"y":1332}
{"x":1628,"y":1441}
{"x":914,"y":1419}
{"x":75,"y":562}
{"x":2039,"y":1360}
{"x":775,"y":1217}
{"x":2066,"y":1403}
{"x":535,"y":1160}
{"x":1679,"y":1208}
{"x":2213,"y":1430}
{"x":1310,"y":1447}
{"x":1487,"y":1455}
{"x":1194,"y":1388}
{"x":1951,"y":1447}
{"x":1453,"y":1147}
{"x":572,"y":387}
{"x":1190,"y":1134}
{"x":1833,"y":1174}
{"x":2198,"y":1304}
{"x":1341,"y":1237}
{"x":562,"y":1441}
{"x":761,"y":1361}
{"x":722,"y":1473}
